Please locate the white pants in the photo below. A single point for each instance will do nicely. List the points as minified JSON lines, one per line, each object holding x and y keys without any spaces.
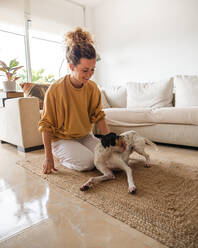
{"x":76,"y":154}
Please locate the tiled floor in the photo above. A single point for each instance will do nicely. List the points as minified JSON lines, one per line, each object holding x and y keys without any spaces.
{"x":35,"y":214}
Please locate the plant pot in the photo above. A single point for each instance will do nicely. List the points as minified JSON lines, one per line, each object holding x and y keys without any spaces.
{"x":9,"y":86}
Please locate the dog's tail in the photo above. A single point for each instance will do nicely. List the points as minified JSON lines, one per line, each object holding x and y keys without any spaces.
{"x":148,"y":142}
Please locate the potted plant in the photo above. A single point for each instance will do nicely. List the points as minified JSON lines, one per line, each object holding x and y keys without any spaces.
{"x":11,"y":74}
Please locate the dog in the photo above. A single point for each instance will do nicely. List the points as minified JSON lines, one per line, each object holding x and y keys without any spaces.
{"x":113,"y":152}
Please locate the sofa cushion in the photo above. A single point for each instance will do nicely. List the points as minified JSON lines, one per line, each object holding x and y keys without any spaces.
{"x":150,"y":95}
{"x":128,"y":117}
{"x":151,"y":116}
{"x":186,"y":91}
{"x":116,"y":96}
{"x":36,"y":90}
{"x":179,"y":115}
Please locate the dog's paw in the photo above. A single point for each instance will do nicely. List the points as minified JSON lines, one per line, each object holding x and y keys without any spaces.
{"x":132,"y":189}
{"x":84,"y":187}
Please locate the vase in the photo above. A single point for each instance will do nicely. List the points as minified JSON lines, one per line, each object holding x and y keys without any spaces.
{"x":9,"y":86}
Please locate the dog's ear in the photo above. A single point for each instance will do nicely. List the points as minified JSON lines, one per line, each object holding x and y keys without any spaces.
{"x":99,"y":136}
{"x":109,"y":139}
{"x":106,"y":140}
{"x":113,"y":137}
{"x":104,"y":143}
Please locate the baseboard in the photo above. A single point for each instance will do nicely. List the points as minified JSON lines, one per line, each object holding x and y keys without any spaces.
{"x":22,"y":149}
{"x":178,"y":146}
{"x":29,"y":149}
{"x":2,"y":142}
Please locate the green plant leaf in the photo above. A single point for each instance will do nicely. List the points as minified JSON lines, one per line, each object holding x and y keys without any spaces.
{"x":13,"y":63}
{"x":10,"y":70}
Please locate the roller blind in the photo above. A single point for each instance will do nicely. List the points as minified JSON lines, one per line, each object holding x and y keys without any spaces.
{"x":52,"y":18}
{"x":49,"y":18}
{"x":12,"y":16}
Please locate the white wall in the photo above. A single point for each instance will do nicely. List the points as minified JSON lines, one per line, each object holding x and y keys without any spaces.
{"x":141,"y":40}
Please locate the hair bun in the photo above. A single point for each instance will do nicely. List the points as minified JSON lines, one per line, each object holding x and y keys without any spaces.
{"x":78,"y":36}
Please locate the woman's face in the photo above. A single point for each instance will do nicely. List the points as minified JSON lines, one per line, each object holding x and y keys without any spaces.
{"x":83,"y":71}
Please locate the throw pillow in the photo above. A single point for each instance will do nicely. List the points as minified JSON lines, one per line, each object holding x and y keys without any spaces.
{"x":105,"y":103}
{"x":186,"y":91}
{"x":116,"y":96}
{"x":36,"y":90}
{"x":150,"y":95}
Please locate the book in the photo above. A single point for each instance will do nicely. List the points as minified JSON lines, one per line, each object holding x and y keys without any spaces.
{"x":12,"y":94}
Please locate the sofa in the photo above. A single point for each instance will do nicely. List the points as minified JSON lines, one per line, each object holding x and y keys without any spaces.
{"x":164,"y":111}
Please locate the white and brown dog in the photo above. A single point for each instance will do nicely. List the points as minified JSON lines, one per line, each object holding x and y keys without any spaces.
{"x":113,"y":152}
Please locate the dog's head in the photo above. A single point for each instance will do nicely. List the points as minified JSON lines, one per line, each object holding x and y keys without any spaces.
{"x":111,"y":139}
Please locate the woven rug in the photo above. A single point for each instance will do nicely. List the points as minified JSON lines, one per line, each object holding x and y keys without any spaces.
{"x":165,"y":206}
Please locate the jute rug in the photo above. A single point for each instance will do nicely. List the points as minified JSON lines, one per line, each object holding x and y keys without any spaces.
{"x":165,"y":206}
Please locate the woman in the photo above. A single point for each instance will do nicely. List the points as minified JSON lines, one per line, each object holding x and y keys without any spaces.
{"x":72,"y":106}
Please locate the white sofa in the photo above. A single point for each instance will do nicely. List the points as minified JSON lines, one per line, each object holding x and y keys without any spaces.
{"x":154,"y":111}
{"x":144,"y":107}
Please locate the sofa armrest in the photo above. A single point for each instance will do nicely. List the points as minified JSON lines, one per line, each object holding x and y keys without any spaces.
{"x":19,"y":122}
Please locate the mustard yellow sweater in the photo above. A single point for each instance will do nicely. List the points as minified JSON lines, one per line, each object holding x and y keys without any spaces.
{"x":69,"y":112}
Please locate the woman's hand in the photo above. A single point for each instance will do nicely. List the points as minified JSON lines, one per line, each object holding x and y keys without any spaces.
{"x":102,"y":126}
{"x":48,"y":165}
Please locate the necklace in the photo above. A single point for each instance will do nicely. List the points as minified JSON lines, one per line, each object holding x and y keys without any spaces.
{"x":75,"y":86}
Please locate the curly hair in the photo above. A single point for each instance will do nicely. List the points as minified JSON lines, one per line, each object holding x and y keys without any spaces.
{"x":79,"y":44}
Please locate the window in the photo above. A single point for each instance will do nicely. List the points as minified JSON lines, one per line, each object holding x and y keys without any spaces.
{"x":47,"y":55}
{"x":44,"y":52}
{"x":50,"y":20}
{"x":11,"y":46}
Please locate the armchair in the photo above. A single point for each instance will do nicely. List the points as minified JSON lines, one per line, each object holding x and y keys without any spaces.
{"x":19,"y":123}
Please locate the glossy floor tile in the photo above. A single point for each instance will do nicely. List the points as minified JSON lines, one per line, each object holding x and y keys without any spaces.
{"x":35,"y":214}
